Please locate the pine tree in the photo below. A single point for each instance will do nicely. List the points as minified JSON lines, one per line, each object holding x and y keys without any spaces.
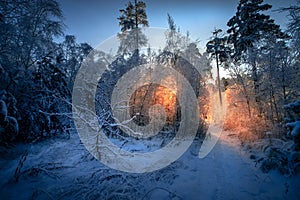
{"x":133,"y":16}
{"x":130,"y":20}
{"x":174,"y":40}
{"x":220,"y":51}
{"x":249,"y":25}
{"x":246,"y":29}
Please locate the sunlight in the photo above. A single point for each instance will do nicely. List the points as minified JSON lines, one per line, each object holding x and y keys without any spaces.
{"x":241,"y":119}
{"x":167,"y":99}
{"x":152,"y":94}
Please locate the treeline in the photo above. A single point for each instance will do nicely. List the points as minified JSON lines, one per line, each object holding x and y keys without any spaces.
{"x":37,"y":73}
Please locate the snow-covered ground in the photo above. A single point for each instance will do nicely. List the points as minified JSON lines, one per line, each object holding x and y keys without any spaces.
{"x":63,"y":169}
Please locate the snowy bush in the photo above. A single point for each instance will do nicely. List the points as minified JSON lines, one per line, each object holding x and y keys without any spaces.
{"x":3,"y":111}
{"x":281,"y":153}
{"x":8,"y":126}
{"x":293,"y":122}
{"x":2,"y":95}
{"x":275,"y":154}
{"x":44,"y":104}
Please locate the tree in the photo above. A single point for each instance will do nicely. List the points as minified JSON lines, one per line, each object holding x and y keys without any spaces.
{"x":131,"y":41}
{"x":26,"y":34}
{"x":176,"y":44}
{"x":70,"y":57}
{"x":246,"y":30}
{"x":294,"y":31}
{"x":249,"y":25}
{"x":133,"y":16}
{"x":280,"y":60}
{"x":274,"y":63}
{"x":130,"y":20}
{"x":31,"y":68}
{"x":173,"y":38}
{"x":294,"y":25}
{"x":199,"y":61}
{"x":220,"y":51}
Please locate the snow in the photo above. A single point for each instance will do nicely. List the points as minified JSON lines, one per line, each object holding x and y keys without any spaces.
{"x":63,"y":169}
{"x":295,"y":128}
{"x":3,"y":109}
{"x":293,"y":118}
{"x":293,"y":105}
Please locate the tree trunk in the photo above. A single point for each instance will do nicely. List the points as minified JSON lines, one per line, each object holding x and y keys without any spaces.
{"x":136,"y":28}
{"x":218,"y":79}
{"x":256,"y":87}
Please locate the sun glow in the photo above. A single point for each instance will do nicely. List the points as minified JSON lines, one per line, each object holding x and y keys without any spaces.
{"x":149,"y":95}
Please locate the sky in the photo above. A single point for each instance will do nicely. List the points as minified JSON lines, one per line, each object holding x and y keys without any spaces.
{"x":94,"y":21}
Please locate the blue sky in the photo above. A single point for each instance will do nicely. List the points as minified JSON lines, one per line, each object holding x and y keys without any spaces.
{"x":94,"y":21}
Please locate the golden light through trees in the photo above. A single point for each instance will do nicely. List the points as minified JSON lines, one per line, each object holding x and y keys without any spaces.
{"x":149,"y":95}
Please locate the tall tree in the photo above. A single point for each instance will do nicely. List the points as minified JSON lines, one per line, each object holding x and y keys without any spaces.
{"x":30,"y":71}
{"x":294,"y":51}
{"x":274,"y":64}
{"x":175,"y":41}
{"x":132,"y":17}
{"x":26,"y":34}
{"x":70,"y":57}
{"x":246,"y":29}
{"x":249,"y":25}
{"x":218,"y":50}
{"x":294,"y":25}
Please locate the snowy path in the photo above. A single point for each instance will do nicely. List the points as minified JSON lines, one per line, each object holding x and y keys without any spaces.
{"x":63,"y":169}
{"x":227,"y":173}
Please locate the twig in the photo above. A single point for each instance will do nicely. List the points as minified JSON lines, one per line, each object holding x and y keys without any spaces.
{"x":17,"y":173}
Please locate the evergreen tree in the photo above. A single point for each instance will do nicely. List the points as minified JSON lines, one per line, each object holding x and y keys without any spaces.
{"x":174,"y":40}
{"x":176,"y":44}
{"x":249,"y":25}
{"x":219,"y":50}
{"x":133,"y":16}
{"x":246,"y":30}
{"x":130,"y":20}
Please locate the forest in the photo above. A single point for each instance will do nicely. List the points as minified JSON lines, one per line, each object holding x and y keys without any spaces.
{"x":71,"y":114}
